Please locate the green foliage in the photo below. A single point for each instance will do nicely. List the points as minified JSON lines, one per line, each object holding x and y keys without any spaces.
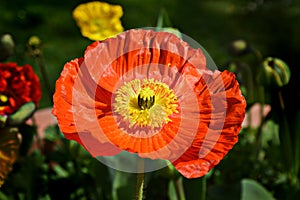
{"x":253,"y":190}
{"x":23,"y":113}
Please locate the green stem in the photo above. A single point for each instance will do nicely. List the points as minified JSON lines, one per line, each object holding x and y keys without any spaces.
{"x":261,"y":91}
{"x":140,"y":179}
{"x":297,"y":151}
{"x":203,"y":188}
{"x":258,"y":55}
{"x":163,"y":19}
{"x":179,"y":188}
{"x":286,"y":142}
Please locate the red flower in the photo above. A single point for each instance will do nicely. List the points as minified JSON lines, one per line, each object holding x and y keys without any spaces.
{"x":150,"y":93}
{"x":18,"y":85}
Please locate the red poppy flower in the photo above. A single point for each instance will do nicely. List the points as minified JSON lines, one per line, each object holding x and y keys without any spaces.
{"x":150,"y":93}
{"x":18,"y":85}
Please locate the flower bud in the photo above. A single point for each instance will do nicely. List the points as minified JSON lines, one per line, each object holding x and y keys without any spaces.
{"x":7,"y":46}
{"x":34,"y":44}
{"x":274,"y":73}
{"x":239,"y":47}
{"x":34,"y":41}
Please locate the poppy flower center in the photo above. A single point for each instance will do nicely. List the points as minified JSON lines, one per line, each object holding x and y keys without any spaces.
{"x":145,"y":103}
{"x":146,"y":98}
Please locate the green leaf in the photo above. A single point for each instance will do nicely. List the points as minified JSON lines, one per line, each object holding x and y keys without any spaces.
{"x":123,"y":185}
{"x":21,"y":115}
{"x":52,"y":133}
{"x":270,"y":134}
{"x":3,"y":196}
{"x":253,"y":190}
{"x":60,"y":172}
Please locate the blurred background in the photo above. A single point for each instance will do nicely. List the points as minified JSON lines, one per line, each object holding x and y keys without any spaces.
{"x":271,"y":27}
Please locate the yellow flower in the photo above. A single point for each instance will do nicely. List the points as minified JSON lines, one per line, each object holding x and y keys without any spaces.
{"x":98,"y":20}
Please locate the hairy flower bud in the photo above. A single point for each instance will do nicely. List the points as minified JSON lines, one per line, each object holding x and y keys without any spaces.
{"x":7,"y":46}
{"x":274,"y":73}
{"x":34,"y":45}
{"x":34,"y":41}
{"x":239,"y":47}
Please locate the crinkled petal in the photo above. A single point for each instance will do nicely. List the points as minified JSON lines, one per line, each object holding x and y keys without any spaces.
{"x":210,"y":105}
{"x":208,"y":150}
{"x":70,"y":102}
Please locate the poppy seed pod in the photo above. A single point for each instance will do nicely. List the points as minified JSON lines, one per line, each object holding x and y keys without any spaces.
{"x":7,"y":46}
{"x":274,"y":73}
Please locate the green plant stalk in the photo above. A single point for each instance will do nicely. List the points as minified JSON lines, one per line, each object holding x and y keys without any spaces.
{"x":163,"y":17}
{"x":285,"y":140}
{"x":248,"y":75}
{"x":179,"y":188}
{"x":140,"y":181}
{"x":257,"y":55}
{"x":287,"y":148}
{"x":261,"y":91}
{"x":297,"y":150}
{"x":203,"y":188}
{"x":249,"y":87}
{"x":41,"y":64}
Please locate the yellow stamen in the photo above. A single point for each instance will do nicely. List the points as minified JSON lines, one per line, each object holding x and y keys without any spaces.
{"x":145,"y":103}
{"x":3,"y":101}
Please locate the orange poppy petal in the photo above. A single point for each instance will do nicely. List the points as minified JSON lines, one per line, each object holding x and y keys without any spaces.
{"x":112,"y":58}
{"x":207,"y":151}
{"x":107,"y":72}
{"x":175,"y":131}
{"x":209,"y":105}
{"x":73,"y":106}
{"x":62,"y":98}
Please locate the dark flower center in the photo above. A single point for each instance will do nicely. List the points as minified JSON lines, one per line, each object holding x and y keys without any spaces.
{"x":145,"y":103}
